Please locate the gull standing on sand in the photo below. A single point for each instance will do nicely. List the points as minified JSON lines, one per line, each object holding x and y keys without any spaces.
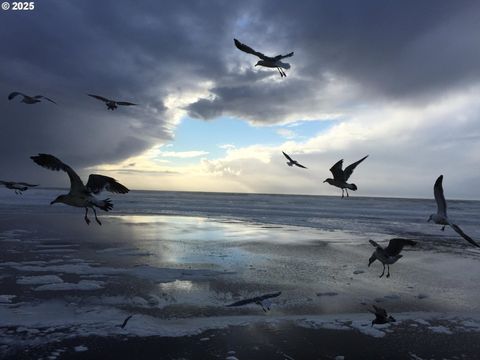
{"x":266,"y":61}
{"x":381,"y":316}
{"x":389,"y":255}
{"x":292,"y":162}
{"x":441,"y":216}
{"x":19,"y":187}
{"x":29,"y":99}
{"x":81,"y":195}
{"x":340,"y":176}
{"x":111,"y":104}
{"x":263,"y":301}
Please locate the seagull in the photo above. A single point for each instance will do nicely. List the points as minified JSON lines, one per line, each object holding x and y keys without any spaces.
{"x":125,"y":322}
{"x":29,"y":99}
{"x":81,"y":195}
{"x":292,"y":162}
{"x":263,"y":301}
{"x":441,"y":216}
{"x":381,"y":316}
{"x":111,"y":104}
{"x":19,"y":187}
{"x":389,"y":255}
{"x":340,"y":176}
{"x":267,"y":61}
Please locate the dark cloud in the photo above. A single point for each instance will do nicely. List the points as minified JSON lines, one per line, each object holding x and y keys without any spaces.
{"x":145,"y":51}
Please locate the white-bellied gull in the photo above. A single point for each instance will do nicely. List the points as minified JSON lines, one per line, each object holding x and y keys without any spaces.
{"x":81,"y":195}
{"x":441,"y":216}
{"x":381,"y":316}
{"x":111,"y":104}
{"x":263,"y":301}
{"x":340,"y":176}
{"x":292,"y":162}
{"x":19,"y":187}
{"x":390,"y":254}
{"x":29,"y":99}
{"x":266,"y":61}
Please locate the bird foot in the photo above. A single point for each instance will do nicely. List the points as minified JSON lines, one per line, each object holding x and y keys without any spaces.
{"x":388,"y":275}
{"x":87,"y":220}
{"x":98,"y":221}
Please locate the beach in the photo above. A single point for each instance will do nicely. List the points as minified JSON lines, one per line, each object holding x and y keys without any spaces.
{"x":67,"y":287}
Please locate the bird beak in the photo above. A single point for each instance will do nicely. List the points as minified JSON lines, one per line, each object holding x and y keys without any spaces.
{"x":52,"y":202}
{"x":325,"y":181}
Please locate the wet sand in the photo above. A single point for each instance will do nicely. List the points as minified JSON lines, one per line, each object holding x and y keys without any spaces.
{"x":65,"y":284}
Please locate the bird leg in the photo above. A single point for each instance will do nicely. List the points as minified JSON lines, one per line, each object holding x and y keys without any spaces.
{"x":87,"y":220}
{"x":96,"y":218}
{"x":443,"y":228}
{"x":383,"y":272}
{"x":280,"y":71}
{"x":388,"y":273}
{"x":346,"y":190}
{"x":342,"y":194}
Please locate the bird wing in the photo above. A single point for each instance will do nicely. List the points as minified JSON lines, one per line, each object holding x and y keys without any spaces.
{"x":27,"y":184}
{"x":15,"y":93}
{"x":337,"y":171}
{"x":462,"y":234}
{"x":125,"y":321}
{"x":268,"y":296}
{"x":280,"y":57}
{"x":98,"y":183}
{"x":99,"y":97}
{"x":374,"y":244}
{"x":349,"y":169}
{"x":125,"y":103}
{"x":288,"y":157}
{"x":249,"y":50}
{"x":440,"y":197}
{"x":52,"y":163}
{"x":5,"y":182}
{"x":300,"y":165}
{"x":396,"y":245}
{"x":43,"y":97}
{"x":243,"y":302}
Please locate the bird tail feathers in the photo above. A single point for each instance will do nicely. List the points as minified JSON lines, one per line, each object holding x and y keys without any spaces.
{"x":105,"y":205}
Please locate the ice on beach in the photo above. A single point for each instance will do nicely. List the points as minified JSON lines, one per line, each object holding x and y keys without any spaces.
{"x":39,"y":280}
{"x":81,"y":285}
{"x":80,"y":348}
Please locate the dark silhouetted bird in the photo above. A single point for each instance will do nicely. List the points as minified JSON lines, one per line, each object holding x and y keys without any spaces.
{"x":266,"y":61}
{"x":340,"y":176}
{"x":81,"y":195}
{"x":111,"y":104}
{"x":390,"y":254}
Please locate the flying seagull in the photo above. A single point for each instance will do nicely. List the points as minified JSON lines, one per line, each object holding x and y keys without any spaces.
{"x":29,"y":99}
{"x":389,"y":255}
{"x":292,"y":162}
{"x":340,"y":176}
{"x":81,"y":195}
{"x":441,"y":216}
{"x":19,"y":187}
{"x":125,"y":322}
{"x":111,"y":104}
{"x":267,"y":61}
{"x":263,"y":301}
{"x":381,"y":316}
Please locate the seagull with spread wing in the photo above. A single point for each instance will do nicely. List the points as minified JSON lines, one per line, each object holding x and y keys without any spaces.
{"x":390,"y":254}
{"x":263,"y":301}
{"x":340,"y":176}
{"x":266,"y":61}
{"x":292,"y":162}
{"x":381,"y":316}
{"x":441,"y":216}
{"x":81,"y":195}
{"x":19,"y":187}
{"x":29,"y":99}
{"x":111,"y":104}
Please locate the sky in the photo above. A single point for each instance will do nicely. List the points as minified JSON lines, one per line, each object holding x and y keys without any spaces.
{"x":397,"y":80}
